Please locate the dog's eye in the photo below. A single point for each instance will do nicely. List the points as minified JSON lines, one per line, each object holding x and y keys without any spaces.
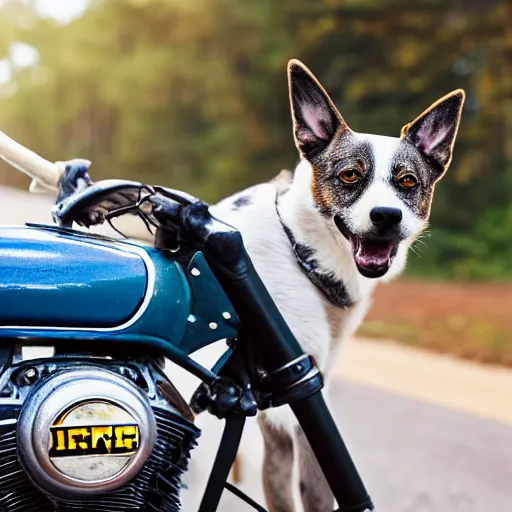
{"x":350,"y":175}
{"x":408,"y":181}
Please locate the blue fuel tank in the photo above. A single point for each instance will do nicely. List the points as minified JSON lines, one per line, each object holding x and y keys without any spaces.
{"x":58,"y":283}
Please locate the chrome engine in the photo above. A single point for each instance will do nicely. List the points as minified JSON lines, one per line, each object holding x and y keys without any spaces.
{"x":91,"y":434}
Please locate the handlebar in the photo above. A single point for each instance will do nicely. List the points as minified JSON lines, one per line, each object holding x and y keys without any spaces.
{"x":223,"y":248}
{"x":179,"y":217}
{"x":183,"y":219}
{"x":45,"y":175}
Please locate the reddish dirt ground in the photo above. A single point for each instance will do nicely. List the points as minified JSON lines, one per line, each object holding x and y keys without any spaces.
{"x":419,"y":301}
{"x":470,"y":320}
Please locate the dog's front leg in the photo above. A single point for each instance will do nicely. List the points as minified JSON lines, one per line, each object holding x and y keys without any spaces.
{"x":314,"y":490}
{"x":277,"y":467}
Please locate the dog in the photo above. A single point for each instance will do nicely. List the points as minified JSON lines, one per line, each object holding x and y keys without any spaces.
{"x":323,"y":238}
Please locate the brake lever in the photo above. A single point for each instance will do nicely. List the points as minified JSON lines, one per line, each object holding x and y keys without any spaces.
{"x":165,"y":210}
{"x":177,"y":195}
{"x":167,"y":214}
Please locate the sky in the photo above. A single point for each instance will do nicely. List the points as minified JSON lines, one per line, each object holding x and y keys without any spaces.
{"x":61,"y":10}
{"x":24,"y":55}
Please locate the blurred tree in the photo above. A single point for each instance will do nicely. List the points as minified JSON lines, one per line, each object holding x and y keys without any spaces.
{"x":149,"y":90}
{"x":384,"y":62}
{"x":193,"y":94}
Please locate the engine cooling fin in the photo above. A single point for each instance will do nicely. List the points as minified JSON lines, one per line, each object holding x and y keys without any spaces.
{"x":155,"y":488}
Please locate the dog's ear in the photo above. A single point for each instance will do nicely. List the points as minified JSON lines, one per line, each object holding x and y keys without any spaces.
{"x":433,"y":132}
{"x":315,"y":118}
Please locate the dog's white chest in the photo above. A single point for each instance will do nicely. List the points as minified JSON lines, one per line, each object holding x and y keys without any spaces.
{"x":317,"y":325}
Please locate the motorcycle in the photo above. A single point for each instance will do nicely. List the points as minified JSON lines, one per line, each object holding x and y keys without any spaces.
{"x":98,"y":425}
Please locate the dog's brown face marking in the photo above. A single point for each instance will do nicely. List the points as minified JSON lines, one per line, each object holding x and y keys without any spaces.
{"x":407,"y":160}
{"x":426,"y":148}
{"x":344,"y":152}
{"x":324,"y":139}
{"x":377,"y":190}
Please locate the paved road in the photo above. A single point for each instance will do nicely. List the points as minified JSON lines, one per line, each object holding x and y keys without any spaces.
{"x":413,"y":456}
{"x":419,"y":457}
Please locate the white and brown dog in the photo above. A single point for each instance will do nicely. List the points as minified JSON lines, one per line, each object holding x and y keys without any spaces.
{"x":323,"y":239}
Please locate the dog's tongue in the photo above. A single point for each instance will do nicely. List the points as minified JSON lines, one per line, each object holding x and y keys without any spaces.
{"x":373,"y":256}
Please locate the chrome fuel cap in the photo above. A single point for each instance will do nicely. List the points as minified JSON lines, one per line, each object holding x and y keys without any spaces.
{"x":85,"y":432}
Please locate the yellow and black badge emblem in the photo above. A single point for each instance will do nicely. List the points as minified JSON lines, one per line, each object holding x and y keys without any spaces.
{"x":93,"y":440}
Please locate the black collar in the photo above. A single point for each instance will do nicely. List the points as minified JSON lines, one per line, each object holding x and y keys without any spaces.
{"x":333,"y":289}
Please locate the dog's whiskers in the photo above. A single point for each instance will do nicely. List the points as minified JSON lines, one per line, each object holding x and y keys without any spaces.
{"x":413,"y":249}
{"x":419,"y":240}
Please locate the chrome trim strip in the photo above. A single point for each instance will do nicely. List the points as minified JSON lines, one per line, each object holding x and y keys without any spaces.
{"x":12,"y":421}
{"x":291,"y":363}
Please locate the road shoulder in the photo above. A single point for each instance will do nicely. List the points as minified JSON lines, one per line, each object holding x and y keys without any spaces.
{"x":474,"y":388}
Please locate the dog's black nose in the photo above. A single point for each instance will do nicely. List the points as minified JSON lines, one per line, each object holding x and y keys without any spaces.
{"x":384,"y":217}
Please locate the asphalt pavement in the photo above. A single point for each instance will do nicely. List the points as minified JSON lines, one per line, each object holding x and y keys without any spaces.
{"x":412,"y":456}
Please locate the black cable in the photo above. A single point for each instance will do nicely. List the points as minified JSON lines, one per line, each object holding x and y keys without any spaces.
{"x":223,"y":461}
{"x":240,"y":494}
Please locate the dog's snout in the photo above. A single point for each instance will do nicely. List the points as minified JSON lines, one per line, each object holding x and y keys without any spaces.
{"x":384,"y":217}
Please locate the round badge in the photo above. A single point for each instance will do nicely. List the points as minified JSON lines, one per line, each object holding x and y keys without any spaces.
{"x":85,"y":431}
{"x":93,"y":441}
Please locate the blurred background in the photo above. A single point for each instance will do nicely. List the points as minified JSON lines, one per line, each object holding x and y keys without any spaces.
{"x":193,"y":94}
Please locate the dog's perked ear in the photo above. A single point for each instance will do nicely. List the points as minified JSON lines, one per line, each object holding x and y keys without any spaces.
{"x":433,"y":132}
{"x":315,"y":118}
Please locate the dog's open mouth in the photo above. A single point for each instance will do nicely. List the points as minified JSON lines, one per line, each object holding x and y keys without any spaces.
{"x":373,"y":256}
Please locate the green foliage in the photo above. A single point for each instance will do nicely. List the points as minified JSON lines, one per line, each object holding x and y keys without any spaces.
{"x":193,"y":94}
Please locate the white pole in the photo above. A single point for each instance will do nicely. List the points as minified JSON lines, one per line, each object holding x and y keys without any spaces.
{"x":45,"y":175}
